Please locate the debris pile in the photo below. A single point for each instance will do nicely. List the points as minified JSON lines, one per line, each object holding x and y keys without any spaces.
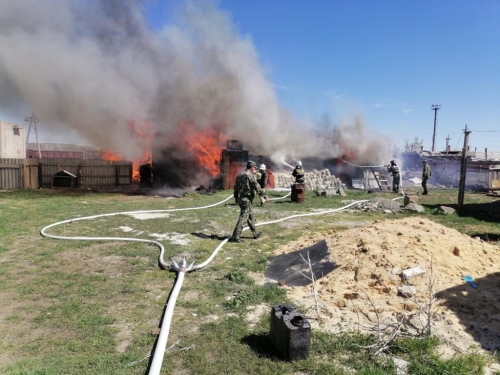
{"x":368,"y":287}
{"x":377,"y":204}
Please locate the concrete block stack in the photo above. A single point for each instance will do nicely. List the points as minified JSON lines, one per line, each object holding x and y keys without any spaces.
{"x":323,"y":182}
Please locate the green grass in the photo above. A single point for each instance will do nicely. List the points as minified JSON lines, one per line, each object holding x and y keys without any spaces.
{"x":90,"y":307}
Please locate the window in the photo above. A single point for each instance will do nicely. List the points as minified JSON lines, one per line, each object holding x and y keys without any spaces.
{"x":16,"y":130}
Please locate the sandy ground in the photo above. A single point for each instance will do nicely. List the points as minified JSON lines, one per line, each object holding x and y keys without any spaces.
{"x":365,"y":287}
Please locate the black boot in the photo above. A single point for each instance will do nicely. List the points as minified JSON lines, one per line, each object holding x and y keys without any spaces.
{"x":235,"y":239}
{"x":257,"y":235}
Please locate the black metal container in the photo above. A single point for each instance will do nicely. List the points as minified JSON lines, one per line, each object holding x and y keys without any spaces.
{"x":290,"y":332}
{"x":298,"y":192}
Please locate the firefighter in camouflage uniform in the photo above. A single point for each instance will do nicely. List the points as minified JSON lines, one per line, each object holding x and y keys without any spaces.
{"x":244,"y":193}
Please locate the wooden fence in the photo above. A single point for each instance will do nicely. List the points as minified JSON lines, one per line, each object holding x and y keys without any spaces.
{"x":39,"y":173}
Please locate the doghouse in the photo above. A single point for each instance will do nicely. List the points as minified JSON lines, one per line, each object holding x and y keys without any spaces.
{"x":64,"y":179}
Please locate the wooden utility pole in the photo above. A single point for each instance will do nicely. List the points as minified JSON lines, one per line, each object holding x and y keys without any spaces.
{"x":463,"y":169}
{"x":33,"y":120}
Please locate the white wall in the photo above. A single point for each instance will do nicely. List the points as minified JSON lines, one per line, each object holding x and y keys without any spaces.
{"x":12,"y":141}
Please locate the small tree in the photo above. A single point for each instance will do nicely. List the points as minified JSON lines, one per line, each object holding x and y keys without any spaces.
{"x":416,"y":145}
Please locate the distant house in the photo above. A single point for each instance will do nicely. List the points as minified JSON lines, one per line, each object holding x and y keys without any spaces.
{"x":12,"y":141}
{"x":63,"y":151}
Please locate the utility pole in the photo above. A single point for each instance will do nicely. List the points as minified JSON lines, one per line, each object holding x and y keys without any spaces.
{"x":435,"y":108}
{"x":447,"y":143}
{"x":33,"y":120}
{"x":463,"y":169}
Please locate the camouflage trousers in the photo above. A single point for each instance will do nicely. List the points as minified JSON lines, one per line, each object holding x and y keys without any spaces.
{"x":245,"y":218}
{"x":424,"y":184}
{"x":261,"y":198}
{"x":395,"y":183}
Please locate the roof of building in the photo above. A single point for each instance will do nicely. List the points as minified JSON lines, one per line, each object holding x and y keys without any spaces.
{"x":68,"y":147}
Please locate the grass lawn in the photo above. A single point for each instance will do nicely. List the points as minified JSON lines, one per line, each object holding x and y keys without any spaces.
{"x":94,"y":307}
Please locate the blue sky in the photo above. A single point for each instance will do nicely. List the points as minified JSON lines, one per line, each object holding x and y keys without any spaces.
{"x":385,"y":60}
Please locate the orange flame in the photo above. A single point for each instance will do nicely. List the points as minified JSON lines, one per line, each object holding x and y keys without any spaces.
{"x":347,"y":154}
{"x":111,"y":156}
{"x":204,"y":145}
{"x":145,"y":136}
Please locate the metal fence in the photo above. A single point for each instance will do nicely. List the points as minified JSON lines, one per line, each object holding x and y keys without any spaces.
{"x":486,"y":155}
{"x":11,"y":173}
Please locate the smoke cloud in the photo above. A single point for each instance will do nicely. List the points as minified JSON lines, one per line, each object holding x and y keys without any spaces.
{"x":96,"y":67}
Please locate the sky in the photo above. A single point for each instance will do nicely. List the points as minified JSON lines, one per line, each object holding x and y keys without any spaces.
{"x":277,"y":71}
{"x":387,"y":61}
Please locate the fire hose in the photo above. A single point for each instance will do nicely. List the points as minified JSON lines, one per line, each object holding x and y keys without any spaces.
{"x":181,"y":268}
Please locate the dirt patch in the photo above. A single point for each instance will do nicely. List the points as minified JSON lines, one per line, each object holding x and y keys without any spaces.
{"x":366,"y":286}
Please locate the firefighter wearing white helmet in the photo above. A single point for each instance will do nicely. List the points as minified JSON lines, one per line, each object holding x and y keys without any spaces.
{"x":261,"y":177}
{"x":396,"y":178}
{"x":298,"y":173}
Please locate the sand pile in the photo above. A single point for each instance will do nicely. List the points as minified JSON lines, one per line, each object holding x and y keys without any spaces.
{"x":368,"y":282}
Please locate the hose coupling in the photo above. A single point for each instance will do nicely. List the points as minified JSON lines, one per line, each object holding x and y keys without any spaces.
{"x":182,"y":266}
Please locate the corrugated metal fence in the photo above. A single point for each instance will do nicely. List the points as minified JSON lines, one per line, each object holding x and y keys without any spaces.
{"x":35,"y":173}
{"x":11,"y":173}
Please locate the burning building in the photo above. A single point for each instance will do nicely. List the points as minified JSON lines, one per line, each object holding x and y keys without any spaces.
{"x":232,"y":161}
{"x":175,"y":95}
{"x":198,"y":165}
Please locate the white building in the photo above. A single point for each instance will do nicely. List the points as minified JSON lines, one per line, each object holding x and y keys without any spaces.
{"x":12,"y":141}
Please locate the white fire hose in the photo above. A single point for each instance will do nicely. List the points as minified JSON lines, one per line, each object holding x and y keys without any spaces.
{"x":180,"y":268}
